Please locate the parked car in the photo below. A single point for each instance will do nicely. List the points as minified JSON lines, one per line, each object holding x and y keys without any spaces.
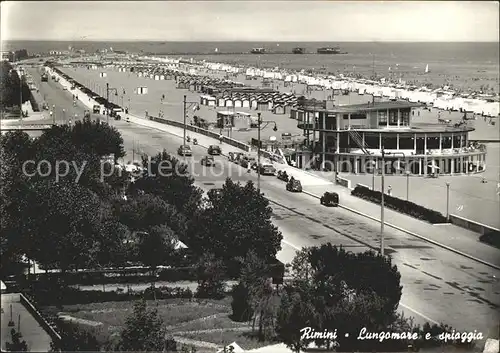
{"x":118,"y":117}
{"x":208,"y":161}
{"x":282,"y":175}
{"x":246,"y":160}
{"x":330,"y":199}
{"x":235,"y":157}
{"x":215,"y":192}
{"x":214,"y":150}
{"x":96,"y":109}
{"x":184,"y":150}
{"x":267,"y":169}
{"x":294,"y":185}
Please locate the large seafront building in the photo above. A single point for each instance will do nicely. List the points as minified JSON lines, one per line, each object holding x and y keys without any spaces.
{"x":351,"y":139}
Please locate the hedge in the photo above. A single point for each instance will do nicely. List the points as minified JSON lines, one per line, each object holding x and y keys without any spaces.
{"x":491,"y":238}
{"x":409,"y":208}
{"x":34,"y":103}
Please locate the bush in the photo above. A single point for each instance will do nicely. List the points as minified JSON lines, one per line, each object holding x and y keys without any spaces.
{"x":167,"y":293}
{"x":409,"y":208}
{"x":241,"y":304}
{"x":491,"y":238}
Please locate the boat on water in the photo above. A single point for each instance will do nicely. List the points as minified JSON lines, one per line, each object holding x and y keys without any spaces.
{"x":329,"y":50}
{"x":258,"y":51}
{"x":298,"y":50}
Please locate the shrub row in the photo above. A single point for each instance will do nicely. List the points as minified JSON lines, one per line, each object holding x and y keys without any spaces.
{"x":402,"y":206}
{"x":491,"y":238}
{"x":72,"y":296}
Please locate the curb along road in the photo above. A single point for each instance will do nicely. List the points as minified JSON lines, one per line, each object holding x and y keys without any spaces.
{"x":414,"y":234}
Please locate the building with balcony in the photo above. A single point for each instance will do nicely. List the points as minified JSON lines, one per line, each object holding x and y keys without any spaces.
{"x":7,"y":56}
{"x":351,"y":139}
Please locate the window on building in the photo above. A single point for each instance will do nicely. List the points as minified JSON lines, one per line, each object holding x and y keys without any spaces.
{"x":405,"y":118}
{"x":446,"y":142}
{"x":372,"y":141}
{"x":358,"y":116}
{"x":390,"y":143}
{"x":456,"y":142}
{"x":382,"y":118}
{"x":393,"y":117}
{"x":433,"y":143}
{"x":406,"y":142}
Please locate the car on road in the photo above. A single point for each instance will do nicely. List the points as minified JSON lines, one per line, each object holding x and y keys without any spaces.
{"x":330,"y":199}
{"x":184,"y":150}
{"x":208,"y":161}
{"x":214,"y":150}
{"x":245,"y":161}
{"x":294,"y":185}
{"x":267,"y":169}
{"x":235,"y":157}
{"x":96,"y":109}
{"x":65,"y":88}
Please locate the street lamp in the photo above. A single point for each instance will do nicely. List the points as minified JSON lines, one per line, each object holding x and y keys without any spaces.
{"x":107,"y":100}
{"x":185,"y":108}
{"x":382,"y":201}
{"x":407,"y":184}
{"x":275,"y":128}
{"x":374,"y":167}
{"x":447,"y":201}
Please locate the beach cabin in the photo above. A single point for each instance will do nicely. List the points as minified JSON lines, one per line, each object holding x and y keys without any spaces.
{"x":237,"y":103}
{"x":225,"y":119}
{"x":253,"y":103}
{"x":242,"y":121}
{"x":263,"y":104}
{"x":245,"y":102}
{"x":221,"y":102}
{"x":229,"y":102}
{"x":157,"y":77}
{"x":279,"y":108}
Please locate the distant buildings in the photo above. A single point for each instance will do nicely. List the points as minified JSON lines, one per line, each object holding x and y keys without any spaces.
{"x":7,"y":56}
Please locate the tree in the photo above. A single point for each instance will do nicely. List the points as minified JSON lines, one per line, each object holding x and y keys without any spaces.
{"x":144,"y":330}
{"x":235,"y":222}
{"x":73,"y":338}
{"x":17,"y":344}
{"x":242,"y":303}
{"x":210,"y":274}
{"x":348,"y":290}
{"x":156,"y":247}
{"x":169,"y":179}
{"x":296,"y":311}
{"x":14,"y":89}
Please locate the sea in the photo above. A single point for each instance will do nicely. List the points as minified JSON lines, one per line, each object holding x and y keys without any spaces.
{"x":460,"y":65}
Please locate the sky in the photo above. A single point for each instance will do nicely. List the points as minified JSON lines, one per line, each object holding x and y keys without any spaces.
{"x":336,"y":21}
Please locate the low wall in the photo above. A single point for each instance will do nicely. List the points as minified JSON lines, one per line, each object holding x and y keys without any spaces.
{"x":471,"y":225}
{"x":198,"y":130}
{"x":39,"y":318}
{"x":343,"y":182}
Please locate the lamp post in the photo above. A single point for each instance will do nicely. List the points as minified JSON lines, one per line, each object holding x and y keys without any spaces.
{"x":107,"y":100}
{"x":260,"y":127}
{"x":447,"y":201}
{"x":382,"y":201}
{"x":374,"y":167}
{"x":407,"y":185}
{"x":185,"y":108}
{"x":64,"y":115}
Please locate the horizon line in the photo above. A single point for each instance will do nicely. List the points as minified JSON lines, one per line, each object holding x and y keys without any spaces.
{"x":242,"y":41}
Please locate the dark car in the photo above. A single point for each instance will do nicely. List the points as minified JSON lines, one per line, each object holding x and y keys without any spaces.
{"x":267,"y":169}
{"x":208,"y":161}
{"x":214,"y":150}
{"x":330,"y":199}
{"x":215,"y":192}
{"x":184,"y":150}
{"x":96,"y":109}
{"x":294,"y":185}
{"x":282,"y":175}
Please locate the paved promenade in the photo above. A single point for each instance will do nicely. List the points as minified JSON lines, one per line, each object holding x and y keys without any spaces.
{"x":35,"y":336}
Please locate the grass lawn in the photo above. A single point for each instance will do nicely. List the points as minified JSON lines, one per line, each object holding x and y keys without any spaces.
{"x":172,"y":311}
{"x":244,"y":339}
{"x":221,"y":321}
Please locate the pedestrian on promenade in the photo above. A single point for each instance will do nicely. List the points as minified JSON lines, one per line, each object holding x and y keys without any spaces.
{"x":389,"y":190}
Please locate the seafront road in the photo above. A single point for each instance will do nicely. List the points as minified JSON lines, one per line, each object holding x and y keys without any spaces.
{"x":438,"y":285}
